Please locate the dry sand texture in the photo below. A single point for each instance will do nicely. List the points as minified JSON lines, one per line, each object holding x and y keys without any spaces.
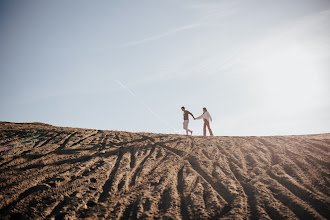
{"x":52,"y":172}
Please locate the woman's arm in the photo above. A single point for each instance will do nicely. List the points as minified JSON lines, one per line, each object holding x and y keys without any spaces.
{"x":200,"y":117}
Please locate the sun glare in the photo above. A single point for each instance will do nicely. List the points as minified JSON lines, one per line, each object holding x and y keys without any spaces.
{"x":289,"y":77}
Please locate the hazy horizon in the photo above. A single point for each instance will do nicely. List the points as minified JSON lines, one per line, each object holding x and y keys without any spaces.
{"x":260,"y":67}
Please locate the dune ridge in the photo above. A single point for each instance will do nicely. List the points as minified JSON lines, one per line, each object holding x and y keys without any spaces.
{"x":50,"y":172}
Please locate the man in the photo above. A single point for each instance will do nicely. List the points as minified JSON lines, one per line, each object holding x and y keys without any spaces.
{"x":186,"y":114}
{"x":207,"y":118}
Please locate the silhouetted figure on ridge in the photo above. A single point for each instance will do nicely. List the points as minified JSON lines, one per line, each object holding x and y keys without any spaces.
{"x":186,"y":114}
{"x":207,"y":118}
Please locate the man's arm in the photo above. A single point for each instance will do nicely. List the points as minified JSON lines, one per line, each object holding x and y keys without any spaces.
{"x":191,"y":114}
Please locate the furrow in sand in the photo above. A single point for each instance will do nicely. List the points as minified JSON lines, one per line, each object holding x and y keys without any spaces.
{"x":139,"y":169}
{"x":83,"y":139}
{"x":66,"y":140}
{"x":180,"y":188}
{"x":313,"y":208}
{"x":24,"y":153}
{"x":217,"y":186}
{"x":106,"y":189}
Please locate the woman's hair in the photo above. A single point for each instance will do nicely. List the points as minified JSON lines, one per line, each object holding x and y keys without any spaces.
{"x":204,"y":109}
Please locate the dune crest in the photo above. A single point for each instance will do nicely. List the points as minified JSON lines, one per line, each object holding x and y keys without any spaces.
{"x":50,"y":172}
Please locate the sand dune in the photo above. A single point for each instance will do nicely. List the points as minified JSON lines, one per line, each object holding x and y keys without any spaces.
{"x":50,"y":172}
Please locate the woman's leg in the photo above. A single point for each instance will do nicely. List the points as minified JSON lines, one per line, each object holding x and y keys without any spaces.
{"x":204,"y":129}
{"x":210,"y":131}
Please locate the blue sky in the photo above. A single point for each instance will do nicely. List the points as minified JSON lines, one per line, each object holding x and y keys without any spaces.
{"x":260,"y":67}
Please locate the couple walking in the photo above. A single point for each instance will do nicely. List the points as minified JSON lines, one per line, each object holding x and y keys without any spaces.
{"x":205,"y":116}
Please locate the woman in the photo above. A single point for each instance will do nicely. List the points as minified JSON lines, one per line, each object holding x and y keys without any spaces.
{"x":207,"y":118}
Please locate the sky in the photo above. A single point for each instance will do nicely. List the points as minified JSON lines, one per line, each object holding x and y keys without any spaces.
{"x":260,"y":67}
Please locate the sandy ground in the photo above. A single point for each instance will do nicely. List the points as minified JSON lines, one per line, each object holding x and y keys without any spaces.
{"x":50,"y":172}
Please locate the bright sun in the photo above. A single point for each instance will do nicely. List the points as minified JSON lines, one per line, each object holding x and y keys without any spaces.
{"x":288,"y":75}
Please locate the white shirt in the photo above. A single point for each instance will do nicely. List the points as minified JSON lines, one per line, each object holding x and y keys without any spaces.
{"x":206,"y":115}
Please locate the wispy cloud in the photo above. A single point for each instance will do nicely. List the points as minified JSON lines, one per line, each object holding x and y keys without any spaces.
{"x":207,"y":65}
{"x":207,"y":14}
{"x":213,"y":12}
{"x":162,"y":35}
